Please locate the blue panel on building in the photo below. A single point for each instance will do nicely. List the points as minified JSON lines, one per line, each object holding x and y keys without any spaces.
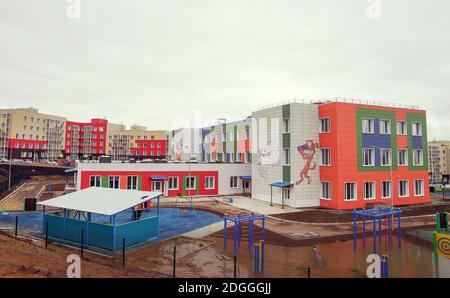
{"x":376,"y":140}
{"x":417,"y":142}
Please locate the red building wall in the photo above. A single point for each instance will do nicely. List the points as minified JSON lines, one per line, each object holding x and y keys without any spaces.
{"x":344,"y":164}
{"x":97,"y":125}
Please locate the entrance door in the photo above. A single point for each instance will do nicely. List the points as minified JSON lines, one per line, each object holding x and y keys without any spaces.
{"x":286,"y":193}
{"x":156,"y":186}
{"x":246,"y":186}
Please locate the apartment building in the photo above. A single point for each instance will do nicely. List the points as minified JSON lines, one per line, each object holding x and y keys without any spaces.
{"x":438,"y":163}
{"x":86,"y":140}
{"x":136,"y":142}
{"x":28,"y":134}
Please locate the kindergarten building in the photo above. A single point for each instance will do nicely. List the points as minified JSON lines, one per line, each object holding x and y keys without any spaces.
{"x":339,"y":154}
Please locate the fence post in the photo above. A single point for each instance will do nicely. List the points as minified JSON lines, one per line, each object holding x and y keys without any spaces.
{"x":82,"y":240}
{"x":235,"y":266}
{"x":46,"y":235}
{"x":174,"y":259}
{"x":15,"y":229}
{"x":123,"y":253}
{"x":309,"y":272}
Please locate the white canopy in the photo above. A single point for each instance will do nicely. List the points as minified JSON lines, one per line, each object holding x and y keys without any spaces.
{"x":101,"y":200}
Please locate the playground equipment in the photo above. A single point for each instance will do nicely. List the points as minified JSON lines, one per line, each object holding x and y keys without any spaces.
{"x":190,"y":200}
{"x":441,"y":238}
{"x":442,"y":222}
{"x":377,"y":214}
{"x":240,"y":220}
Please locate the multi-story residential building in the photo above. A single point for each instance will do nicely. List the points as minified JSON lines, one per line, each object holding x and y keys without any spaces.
{"x":136,"y":142}
{"x":372,"y":154}
{"x":86,"y":139}
{"x":438,"y":163}
{"x":28,"y":134}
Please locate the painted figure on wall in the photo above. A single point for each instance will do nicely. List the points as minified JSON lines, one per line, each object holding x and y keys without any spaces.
{"x":307,"y":152}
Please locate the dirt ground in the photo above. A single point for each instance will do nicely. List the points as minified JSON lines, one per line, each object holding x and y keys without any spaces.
{"x":195,"y":257}
{"x":31,"y":188}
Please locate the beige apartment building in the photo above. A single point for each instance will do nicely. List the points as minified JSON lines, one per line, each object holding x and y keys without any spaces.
{"x":136,"y":142}
{"x":26,"y":133}
{"x":438,"y":160}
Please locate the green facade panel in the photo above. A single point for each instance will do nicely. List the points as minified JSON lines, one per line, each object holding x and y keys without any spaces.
{"x":286,"y":173}
{"x":286,"y":111}
{"x":139,"y":182}
{"x":286,"y":140}
{"x":104,"y":181}
{"x":375,"y":114}
{"x":421,"y":118}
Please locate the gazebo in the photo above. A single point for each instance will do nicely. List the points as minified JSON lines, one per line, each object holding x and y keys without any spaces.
{"x":94,"y":217}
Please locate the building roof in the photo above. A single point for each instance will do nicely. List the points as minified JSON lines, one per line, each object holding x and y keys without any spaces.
{"x":101,"y":200}
{"x":158,"y":178}
{"x":281,"y":184}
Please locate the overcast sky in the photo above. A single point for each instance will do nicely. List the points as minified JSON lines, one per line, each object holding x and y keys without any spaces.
{"x":156,"y":62}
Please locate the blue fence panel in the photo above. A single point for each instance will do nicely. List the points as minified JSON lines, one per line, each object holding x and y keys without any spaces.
{"x":100,"y":235}
{"x":136,"y":232}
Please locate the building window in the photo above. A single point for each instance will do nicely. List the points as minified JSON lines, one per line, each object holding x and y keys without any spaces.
{"x":114,"y":182}
{"x":385,"y":157}
{"x":95,"y":181}
{"x":385,"y":127}
{"x":287,"y":156}
{"x":286,"y":125}
{"x":418,"y":157}
{"x":326,"y":190}
{"x":190,"y":182}
{"x":173,"y":183}
{"x":132,"y":182}
{"x":403,"y":188}
{"x":210,"y":182}
{"x":403,"y":157}
{"x":325,"y":157}
{"x":158,"y":145}
{"x":416,"y":129}
{"x":369,"y":190}
{"x":418,"y":188}
{"x":401,"y":127}
{"x":368,"y":157}
{"x":386,"y":189}
{"x":233,"y":182}
{"x":325,"y":125}
{"x":367,"y":126}
{"x":350,"y":191}
{"x":231,"y":136}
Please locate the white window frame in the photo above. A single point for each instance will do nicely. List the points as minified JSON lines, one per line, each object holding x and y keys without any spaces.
{"x":423,"y":188}
{"x":372,"y":157}
{"x":173,"y":179}
{"x":355,"y":191}
{"x":407,"y":189}
{"x":390,"y":189}
{"x":97,"y":179}
{"x":371,"y":121}
{"x":208,"y":180}
{"x":406,"y":157}
{"x":325,"y":122}
{"x":413,"y":129}
{"x":118,"y":182}
{"x":374,"y":191}
{"x":134,"y":182}
{"x":322,"y":150}
{"x":404,"y":128}
{"x":420,"y":157}
{"x":188,"y":178}
{"x":234,"y":182}
{"x":389,"y":156}
{"x":381,"y":127}
{"x":329,"y":189}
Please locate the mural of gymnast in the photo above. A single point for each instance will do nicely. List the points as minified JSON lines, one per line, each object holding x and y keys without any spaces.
{"x":307,"y":152}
